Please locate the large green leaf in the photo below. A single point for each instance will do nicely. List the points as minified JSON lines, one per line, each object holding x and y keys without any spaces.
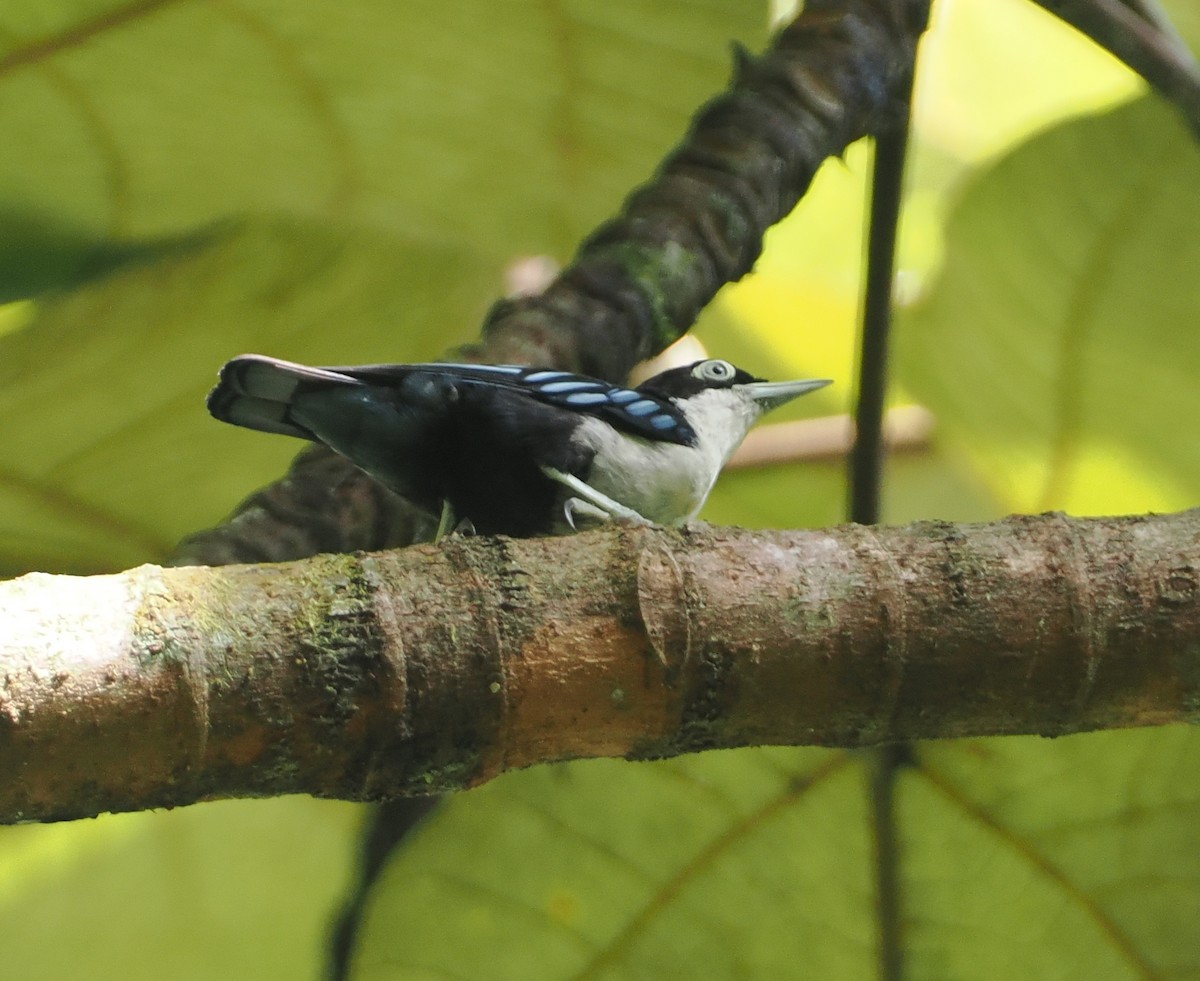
{"x":390,"y":158}
{"x":1059,"y":347}
{"x":109,"y":455}
{"x":236,"y":889}
{"x":515,"y":125}
{"x":1019,"y":858}
{"x":1184,"y":16}
{"x":1073,"y":859}
{"x":713,"y":867}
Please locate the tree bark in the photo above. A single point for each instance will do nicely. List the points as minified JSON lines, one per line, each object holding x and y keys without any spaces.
{"x":374,"y":676}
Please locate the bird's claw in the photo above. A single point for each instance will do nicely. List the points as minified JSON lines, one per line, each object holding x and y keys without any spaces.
{"x":447,"y":526}
{"x":574,"y":506}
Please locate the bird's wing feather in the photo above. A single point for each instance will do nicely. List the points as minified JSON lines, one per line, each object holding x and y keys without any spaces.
{"x":639,"y":413}
{"x":256,"y":392}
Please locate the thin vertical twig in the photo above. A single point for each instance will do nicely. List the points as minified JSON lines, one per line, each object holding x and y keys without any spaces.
{"x":887,"y":181}
{"x":866,"y":480}
{"x":888,"y":764}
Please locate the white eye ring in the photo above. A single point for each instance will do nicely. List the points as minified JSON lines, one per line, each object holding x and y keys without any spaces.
{"x":714,"y":371}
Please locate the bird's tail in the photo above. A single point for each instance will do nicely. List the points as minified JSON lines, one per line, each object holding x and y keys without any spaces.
{"x":256,"y":392}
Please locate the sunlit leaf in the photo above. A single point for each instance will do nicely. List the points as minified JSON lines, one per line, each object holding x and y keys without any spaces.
{"x":515,"y":126}
{"x":1049,"y":70}
{"x":1059,"y":347}
{"x":703,"y":868}
{"x":240,"y":889}
{"x":393,"y":159}
{"x":109,"y":456}
{"x":1072,"y":859}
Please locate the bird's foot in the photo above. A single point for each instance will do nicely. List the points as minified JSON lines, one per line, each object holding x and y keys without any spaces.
{"x":591,"y":502}
{"x":580,"y":515}
{"x":448,"y":525}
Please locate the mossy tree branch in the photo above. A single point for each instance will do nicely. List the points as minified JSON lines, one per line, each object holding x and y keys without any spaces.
{"x":369,"y":677}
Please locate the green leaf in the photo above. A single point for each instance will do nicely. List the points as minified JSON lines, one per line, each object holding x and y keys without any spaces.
{"x":1074,"y":859}
{"x":109,"y":455}
{"x":1058,"y":348}
{"x":515,"y":126}
{"x":699,"y":868}
{"x":238,"y":889}
{"x":391,"y":159}
{"x":1185,"y":17}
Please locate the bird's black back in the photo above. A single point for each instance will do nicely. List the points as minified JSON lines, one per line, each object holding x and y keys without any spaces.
{"x":641,"y":411}
{"x":484,"y":453}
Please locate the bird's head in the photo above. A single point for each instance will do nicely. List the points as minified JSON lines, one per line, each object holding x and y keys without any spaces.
{"x":721,"y":402}
{"x":714,"y":375}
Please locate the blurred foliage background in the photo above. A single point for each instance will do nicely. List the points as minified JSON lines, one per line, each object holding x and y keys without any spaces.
{"x":348,"y":182}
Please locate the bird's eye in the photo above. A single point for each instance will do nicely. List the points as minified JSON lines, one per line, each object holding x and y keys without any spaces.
{"x":714,"y":371}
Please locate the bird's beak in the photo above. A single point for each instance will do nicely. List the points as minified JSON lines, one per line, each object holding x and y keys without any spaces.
{"x":771,"y":395}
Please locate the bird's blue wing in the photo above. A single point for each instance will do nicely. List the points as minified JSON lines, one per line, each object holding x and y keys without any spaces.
{"x":627,"y":409}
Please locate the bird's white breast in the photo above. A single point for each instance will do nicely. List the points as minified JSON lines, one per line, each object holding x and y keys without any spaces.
{"x":665,"y":482}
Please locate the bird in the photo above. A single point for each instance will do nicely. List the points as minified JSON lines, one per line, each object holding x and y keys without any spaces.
{"x":506,"y":449}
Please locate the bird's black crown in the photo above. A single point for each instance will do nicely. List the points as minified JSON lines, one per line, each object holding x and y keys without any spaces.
{"x":682,"y":383}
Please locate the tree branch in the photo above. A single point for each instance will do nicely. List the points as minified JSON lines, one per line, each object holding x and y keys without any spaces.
{"x":639,"y":282}
{"x":1141,"y":36}
{"x":369,"y":677}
